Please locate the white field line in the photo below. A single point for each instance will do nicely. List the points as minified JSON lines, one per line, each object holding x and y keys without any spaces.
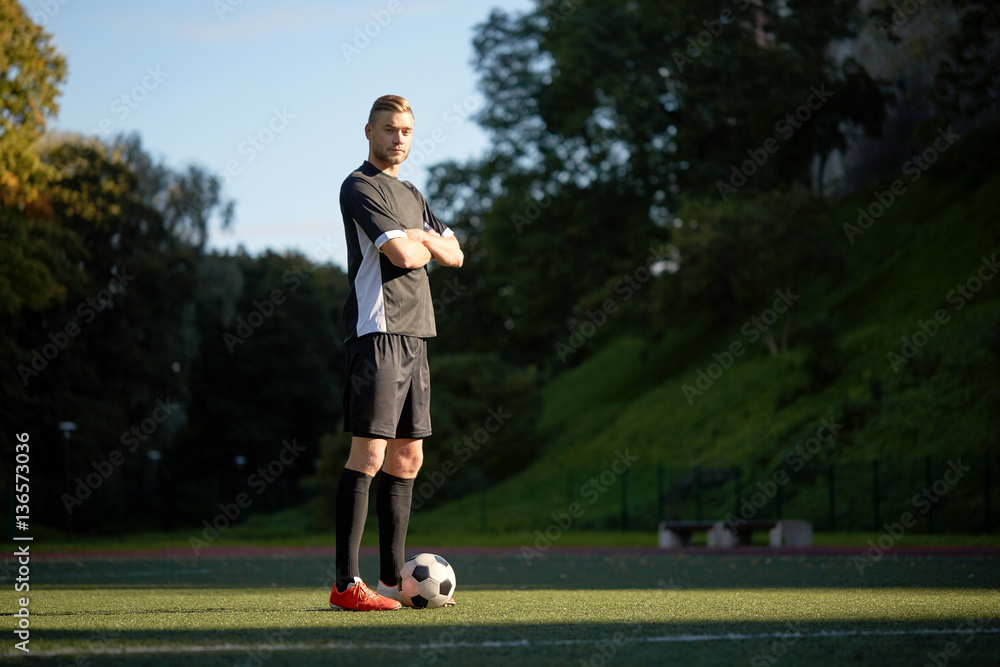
{"x":265,"y":647}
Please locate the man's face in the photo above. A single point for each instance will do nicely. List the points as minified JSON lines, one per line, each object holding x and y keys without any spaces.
{"x":389,"y":136}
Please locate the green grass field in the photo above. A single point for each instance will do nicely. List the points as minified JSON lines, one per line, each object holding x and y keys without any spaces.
{"x":568,"y":606}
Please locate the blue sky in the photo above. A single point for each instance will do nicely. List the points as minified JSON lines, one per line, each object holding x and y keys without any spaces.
{"x":271,"y":96}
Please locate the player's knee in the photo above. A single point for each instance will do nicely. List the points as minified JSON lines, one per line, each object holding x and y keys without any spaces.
{"x":409,"y":467}
{"x":416,"y":458}
{"x":405,"y":463}
{"x":366,"y":461}
{"x":415,"y":462}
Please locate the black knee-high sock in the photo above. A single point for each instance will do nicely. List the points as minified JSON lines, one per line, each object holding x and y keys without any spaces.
{"x":350,"y":512}
{"x":392,"y":504}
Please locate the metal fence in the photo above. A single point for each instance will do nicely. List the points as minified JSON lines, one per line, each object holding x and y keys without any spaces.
{"x":958,"y":494}
{"x":931,"y":495}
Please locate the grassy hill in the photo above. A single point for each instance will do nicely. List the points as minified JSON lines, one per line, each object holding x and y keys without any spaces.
{"x":623,"y":445}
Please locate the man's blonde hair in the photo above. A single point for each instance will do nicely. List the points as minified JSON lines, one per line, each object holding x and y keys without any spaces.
{"x":393,"y":103}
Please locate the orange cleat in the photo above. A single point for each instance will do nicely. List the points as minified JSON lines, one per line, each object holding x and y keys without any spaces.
{"x":359,"y":597}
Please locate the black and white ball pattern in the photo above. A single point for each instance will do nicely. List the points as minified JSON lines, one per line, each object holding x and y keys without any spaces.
{"x":426,"y":581}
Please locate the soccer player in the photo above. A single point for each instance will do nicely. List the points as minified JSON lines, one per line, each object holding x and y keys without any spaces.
{"x":391,"y":236}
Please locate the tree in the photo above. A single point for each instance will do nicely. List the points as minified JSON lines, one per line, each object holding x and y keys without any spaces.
{"x":269,"y":365}
{"x":753,"y":256}
{"x":666,"y":94}
{"x":605,"y":117}
{"x":113,"y":352}
{"x":967,"y":81}
{"x":30,"y":74}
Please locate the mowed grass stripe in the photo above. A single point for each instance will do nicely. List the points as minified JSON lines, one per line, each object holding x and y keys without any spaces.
{"x":521,"y":643}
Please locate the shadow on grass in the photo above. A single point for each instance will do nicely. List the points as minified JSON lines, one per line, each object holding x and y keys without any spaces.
{"x":636,"y":642}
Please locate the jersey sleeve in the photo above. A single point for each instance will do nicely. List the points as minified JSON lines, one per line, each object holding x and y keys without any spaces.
{"x":431,"y":221}
{"x":363,"y":203}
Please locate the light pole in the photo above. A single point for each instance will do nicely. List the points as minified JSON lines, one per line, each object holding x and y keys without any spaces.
{"x":68,"y":427}
{"x":241,"y":464}
{"x":154,"y":484}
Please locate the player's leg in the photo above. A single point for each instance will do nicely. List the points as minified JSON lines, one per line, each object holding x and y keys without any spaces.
{"x":392,"y":503}
{"x":351,"y":508}
{"x":402,"y":463}
{"x":349,"y":591}
{"x":364,"y":417}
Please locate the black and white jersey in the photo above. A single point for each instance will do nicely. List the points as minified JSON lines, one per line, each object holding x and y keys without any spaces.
{"x":383,"y":297}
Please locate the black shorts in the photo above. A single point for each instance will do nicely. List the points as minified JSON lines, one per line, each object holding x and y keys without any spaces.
{"x":388,"y":393}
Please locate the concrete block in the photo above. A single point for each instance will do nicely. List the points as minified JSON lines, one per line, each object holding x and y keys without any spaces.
{"x":791,"y":534}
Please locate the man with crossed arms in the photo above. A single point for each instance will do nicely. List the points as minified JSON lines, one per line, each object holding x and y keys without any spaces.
{"x":391,"y":236}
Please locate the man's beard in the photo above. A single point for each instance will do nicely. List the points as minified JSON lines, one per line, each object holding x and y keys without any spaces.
{"x":389,"y":156}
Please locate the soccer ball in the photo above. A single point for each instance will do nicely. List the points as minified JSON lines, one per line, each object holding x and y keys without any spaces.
{"x":426,"y":581}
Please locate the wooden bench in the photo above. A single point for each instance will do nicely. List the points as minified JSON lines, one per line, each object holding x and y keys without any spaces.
{"x":673,"y":534}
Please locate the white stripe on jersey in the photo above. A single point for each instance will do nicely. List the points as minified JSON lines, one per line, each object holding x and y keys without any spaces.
{"x":391,"y":234}
{"x":368,"y":286}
